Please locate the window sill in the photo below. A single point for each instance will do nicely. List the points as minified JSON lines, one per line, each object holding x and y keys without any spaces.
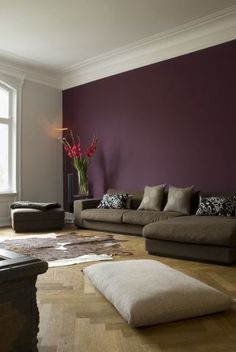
{"x":8,"y":194}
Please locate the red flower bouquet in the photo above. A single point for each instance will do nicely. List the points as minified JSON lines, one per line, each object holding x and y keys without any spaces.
{"x":80,"y":159}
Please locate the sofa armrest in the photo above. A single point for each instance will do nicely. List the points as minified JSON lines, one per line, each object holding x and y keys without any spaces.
{"x":82,"y":204}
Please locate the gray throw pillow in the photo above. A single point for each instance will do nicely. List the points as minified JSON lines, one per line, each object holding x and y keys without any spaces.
{"x":179,"y":199}
{"x":152,"y":198}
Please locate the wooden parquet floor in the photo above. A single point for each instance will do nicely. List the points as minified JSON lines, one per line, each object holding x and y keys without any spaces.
{"x":74,"y":317}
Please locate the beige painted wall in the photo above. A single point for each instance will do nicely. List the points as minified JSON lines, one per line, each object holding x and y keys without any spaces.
{"x":41,"y":153}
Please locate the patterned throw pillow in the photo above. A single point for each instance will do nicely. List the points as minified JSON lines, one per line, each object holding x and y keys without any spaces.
{"x":217,"y":206}
{"x":114,"y":201}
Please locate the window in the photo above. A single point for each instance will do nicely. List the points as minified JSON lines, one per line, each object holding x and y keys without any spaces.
{"x":7,"y":139}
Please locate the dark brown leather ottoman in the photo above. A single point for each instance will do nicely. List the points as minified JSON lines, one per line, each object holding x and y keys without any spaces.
{"x":206,"y":238}
{"x":25,"y":220}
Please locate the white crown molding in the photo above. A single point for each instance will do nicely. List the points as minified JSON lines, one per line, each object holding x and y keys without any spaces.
{"x":211,"y":30}
{"x":33,"y":74}
{"x":208,"y":31}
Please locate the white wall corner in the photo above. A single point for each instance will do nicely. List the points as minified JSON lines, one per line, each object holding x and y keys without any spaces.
{"x":211,"y":30}
{"x":5,"y":202}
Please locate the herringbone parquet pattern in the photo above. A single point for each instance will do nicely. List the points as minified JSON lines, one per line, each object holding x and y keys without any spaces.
{"x":74,"y":317}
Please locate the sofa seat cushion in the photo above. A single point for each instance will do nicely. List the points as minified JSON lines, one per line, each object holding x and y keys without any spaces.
{"x":209,"y":230}
{"x":146,"y":292}
{"x":107,"y":215}
{"x":144,"y":217}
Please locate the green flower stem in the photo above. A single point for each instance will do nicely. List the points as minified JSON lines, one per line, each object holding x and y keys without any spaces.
{"x":81,"y":166}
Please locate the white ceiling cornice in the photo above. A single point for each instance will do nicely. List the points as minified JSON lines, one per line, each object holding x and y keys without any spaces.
{"x":208,"y":31}
{"x":30,"y":73}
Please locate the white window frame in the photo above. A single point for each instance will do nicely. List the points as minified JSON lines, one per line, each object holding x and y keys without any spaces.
{"x":10,"y":121}
{"x":14,"y":84}
{"x":14,"y":81}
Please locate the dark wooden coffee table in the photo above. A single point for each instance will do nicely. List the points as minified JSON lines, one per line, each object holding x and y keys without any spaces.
{"x":19,"y":315}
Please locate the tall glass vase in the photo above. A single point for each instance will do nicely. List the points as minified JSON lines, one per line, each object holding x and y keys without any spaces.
{"x":83,"y":180}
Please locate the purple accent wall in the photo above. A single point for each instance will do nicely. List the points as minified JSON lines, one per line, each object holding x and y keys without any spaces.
{"x":171,"y":122}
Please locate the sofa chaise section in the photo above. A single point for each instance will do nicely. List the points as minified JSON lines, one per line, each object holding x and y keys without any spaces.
{"x":207,"y":238}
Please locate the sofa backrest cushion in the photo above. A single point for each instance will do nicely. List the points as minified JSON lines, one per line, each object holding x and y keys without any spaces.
{"x":218,"y":194}
{"x":136,"y":196}
{"x":195,"y":200}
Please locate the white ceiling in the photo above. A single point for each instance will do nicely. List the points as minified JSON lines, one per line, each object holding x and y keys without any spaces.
{"x":57,"y":34}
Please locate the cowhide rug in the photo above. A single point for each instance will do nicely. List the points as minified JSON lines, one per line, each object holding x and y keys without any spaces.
{"x":68,"y":249}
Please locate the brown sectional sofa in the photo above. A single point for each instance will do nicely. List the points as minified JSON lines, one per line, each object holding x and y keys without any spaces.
{"x":207,"y":238}
{"x":130,"y":221}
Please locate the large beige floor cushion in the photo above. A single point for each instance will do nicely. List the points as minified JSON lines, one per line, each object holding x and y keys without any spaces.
{"x":146,"y":292}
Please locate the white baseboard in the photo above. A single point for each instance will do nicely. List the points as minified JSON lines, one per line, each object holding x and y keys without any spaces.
{"x":5,"y":222}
